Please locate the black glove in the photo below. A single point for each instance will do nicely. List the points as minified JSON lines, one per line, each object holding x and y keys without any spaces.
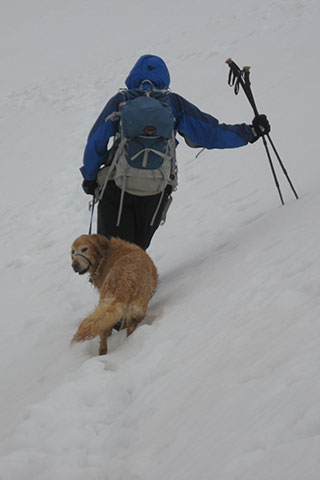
{"x":260,"y":126}
{"x":89,"y":186}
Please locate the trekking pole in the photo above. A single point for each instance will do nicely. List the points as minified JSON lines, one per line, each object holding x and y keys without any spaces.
{"x":91,"y":209}
{"x":239,"y":77}
{"x":248,"y":84}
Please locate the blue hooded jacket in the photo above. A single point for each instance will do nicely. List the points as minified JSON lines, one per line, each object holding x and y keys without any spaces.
{"x":199,"y":129}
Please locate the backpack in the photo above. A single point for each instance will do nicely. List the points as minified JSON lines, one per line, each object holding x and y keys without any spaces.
{"x":144,"y":151}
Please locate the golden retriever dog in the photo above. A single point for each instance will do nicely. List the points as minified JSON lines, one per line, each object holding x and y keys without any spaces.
{"x":126,"y":278}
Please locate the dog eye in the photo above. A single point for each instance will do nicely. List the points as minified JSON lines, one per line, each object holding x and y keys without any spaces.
{"x":72,"y":252}
{"x":84,"y":249}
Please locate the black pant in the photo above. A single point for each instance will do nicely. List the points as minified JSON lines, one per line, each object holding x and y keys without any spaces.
{"x":136,"y":216}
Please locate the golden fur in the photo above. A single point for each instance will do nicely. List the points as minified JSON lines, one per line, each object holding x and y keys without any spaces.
{"x":126,"y":279}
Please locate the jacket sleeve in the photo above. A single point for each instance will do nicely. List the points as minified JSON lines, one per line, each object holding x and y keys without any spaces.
{"x":200,"y":129}
{"x":96,"y":151}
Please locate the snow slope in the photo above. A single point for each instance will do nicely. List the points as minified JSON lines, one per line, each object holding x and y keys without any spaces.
{"x":221,"y":381}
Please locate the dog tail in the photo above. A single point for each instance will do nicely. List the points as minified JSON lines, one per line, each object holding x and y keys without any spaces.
{"x":104,"y":317}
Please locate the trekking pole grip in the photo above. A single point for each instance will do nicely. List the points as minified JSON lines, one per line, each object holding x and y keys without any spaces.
{"x":237,"y":77}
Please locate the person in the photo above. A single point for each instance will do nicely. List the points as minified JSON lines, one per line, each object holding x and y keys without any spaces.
{"x":197,"y":128}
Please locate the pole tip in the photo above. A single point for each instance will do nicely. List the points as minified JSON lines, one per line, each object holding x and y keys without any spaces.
{"x":246,"y":69}
{"x":229,"y":61}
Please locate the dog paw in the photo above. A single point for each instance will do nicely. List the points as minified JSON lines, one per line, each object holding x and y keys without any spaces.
{"x":103,"y":351}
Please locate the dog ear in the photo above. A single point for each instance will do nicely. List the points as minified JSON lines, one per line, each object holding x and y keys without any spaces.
{"x":100,"y":242}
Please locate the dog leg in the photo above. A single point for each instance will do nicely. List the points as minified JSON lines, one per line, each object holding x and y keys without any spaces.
{"x":123,"y":323}
{"x":135,"y":315}
{"x":103,"y":347}
{"x":132,"y":324}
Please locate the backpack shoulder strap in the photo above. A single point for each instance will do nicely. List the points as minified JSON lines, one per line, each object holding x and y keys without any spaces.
{"x":115,"y":115}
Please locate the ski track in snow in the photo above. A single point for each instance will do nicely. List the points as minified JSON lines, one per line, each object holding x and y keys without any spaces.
{"x":221,"y":379}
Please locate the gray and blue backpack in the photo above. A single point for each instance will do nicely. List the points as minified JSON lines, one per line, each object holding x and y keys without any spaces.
{"x":144,"y":152}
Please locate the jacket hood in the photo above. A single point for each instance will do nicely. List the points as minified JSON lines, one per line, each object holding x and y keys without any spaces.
{"x":149,"y":67}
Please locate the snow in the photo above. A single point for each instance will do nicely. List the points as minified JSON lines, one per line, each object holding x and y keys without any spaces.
{"x":221,"y":380}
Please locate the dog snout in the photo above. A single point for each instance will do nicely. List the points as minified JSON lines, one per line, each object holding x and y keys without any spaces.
{"x":80,"y":267}
{"x":76,"y":266}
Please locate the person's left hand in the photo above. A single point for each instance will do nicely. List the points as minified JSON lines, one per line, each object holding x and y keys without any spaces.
{"x":261,"y":125}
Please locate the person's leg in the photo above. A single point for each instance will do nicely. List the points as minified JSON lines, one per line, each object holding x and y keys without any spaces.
{"x":136,"y":217}
{"x":145,"y":208}
{"x":108,"y":210}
